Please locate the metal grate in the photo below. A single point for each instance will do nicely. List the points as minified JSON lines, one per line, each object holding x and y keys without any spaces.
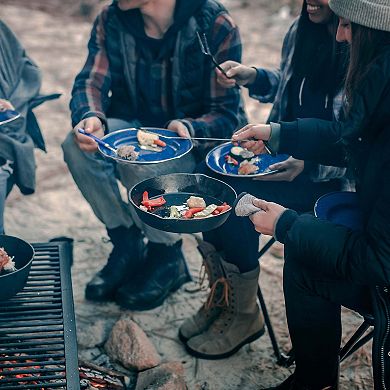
{"x":38,"y":346}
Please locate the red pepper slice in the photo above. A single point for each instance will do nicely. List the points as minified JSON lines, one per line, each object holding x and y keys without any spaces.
{"x":150,"y":203}
{"x":224,"y":207}
{"x":158,"y":142}
{"x":230,"y":160}
{"x":145,"y":196}
{"x":190,"y":213}
{"x":154,"y":202}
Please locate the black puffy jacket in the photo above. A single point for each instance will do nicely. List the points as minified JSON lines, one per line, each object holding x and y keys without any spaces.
{"x":361,"y":142}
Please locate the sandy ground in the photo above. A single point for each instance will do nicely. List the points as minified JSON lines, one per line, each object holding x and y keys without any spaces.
{"x":58,"y":45}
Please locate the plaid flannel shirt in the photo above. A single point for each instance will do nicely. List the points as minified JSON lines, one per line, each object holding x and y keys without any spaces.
{"x":90,"y":94}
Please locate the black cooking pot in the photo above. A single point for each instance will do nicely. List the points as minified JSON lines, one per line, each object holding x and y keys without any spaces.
{"x":23,"y":253}
{"x":176,"y":189}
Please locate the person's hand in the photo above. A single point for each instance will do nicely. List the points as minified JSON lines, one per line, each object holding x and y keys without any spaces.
{"x":6,"y":105}
{"x":289,"y":168}
{"x":179,"y":128}
{"x":266,"y":218}
{"x":258,"y":133}
{"x":236,"y":74}
{"x":90,"y":125}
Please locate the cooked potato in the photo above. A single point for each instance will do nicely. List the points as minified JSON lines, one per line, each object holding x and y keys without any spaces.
{"x":195,"y":201}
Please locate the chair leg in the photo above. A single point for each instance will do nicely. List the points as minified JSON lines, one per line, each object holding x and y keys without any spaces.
{"x":281,"y":358}
{"x":356,"y":341}
{"x":264,"y":249}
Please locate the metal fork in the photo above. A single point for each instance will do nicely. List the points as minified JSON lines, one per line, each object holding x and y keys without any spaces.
{"x":266,"y":146}
{"x":204,"y":47}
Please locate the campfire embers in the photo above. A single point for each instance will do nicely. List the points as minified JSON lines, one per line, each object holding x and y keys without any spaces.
{"x":94,"y":377}
{"x":21,"y":372}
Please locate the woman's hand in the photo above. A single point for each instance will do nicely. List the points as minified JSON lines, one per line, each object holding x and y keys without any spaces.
{"x":91,"y":125}
{"x":258,"y":133}
{"x":236,"y":74}
{"x":179,"y":128}
{"x":266,"y":218}
{"x":6,"y":105}
{"x":289,"y":170}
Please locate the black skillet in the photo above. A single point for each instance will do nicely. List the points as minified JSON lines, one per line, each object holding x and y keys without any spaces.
{"x":176,"y":189}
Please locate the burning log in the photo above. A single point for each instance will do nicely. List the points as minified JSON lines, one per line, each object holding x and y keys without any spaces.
{"x":95,"y":377}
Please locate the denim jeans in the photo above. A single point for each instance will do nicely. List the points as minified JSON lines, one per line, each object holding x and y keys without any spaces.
{"x":97,"y":178}
{"x":6,"y":184}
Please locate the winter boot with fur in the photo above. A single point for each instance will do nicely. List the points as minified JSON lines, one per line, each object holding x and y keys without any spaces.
{"x":239,"y":323}
{"x":210,"y":310}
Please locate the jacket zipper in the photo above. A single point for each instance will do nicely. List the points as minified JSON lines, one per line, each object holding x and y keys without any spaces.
{"x":382,"y":349}
{"x":301,"y":91}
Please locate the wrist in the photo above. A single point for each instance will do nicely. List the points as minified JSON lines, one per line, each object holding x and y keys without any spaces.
{"x":252,"y":77}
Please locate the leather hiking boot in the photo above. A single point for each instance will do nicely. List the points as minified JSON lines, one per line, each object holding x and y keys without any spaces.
{"x":165,"y":272}
{"x":239,"y":323}
{"x":209,"y":311}
{"x":123,"y":261}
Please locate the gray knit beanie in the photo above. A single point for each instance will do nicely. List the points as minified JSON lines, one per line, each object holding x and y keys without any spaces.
{"x":370,"y":13}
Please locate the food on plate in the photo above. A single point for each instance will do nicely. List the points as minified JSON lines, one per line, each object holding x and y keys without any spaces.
{"x":127,"y":152}
{"x":6,"y":262}
{"x":239,"y":156}
{"x":206,"y":211}
{"x":247,"y":154}
{"x":151,"y":203}
{"x":239,"y":153}
{"x":230,"y":160}
{"x":194,"y":207}
{"x":247,"y":168}
{"x":196,"y":201}
{"x":150,"y":141}
{"x":174,"y":212}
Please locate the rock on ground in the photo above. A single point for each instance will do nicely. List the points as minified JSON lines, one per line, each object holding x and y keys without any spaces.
{"x":129,"y":345}
{"x":168,"y":376}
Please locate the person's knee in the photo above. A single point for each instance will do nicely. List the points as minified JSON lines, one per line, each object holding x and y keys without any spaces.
{"x":69,"y":147}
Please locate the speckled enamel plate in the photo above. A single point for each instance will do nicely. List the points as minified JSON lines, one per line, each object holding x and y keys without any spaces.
{"x":215,"y":160}
{"x":175,"y":148}
{"x":341,"y":208}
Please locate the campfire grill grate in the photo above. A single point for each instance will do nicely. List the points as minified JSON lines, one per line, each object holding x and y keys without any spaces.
{"x":38,"y":346}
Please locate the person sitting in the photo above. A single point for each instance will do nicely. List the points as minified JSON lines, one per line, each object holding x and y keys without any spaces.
{"x":145,"y":68}
{"x":20,"y":83}
{"x":308,"y":83}
{"x":328,"y":265}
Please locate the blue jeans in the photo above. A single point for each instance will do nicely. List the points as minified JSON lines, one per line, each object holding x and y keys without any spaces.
{"x":97,"y":178}
{"x":6,"y":184}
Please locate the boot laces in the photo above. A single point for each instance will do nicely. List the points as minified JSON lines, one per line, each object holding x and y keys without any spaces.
{"x":205,"y":270}
{"x":223,"y":300}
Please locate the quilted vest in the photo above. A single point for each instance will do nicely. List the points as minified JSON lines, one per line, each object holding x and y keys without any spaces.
{"x":190,"y":73}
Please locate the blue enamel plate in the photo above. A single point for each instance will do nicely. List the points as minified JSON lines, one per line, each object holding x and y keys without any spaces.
{"x":8,"y":116}
{"x":341,"y":208}
{"x":176,"y":147}
{"x":215,"y":160}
